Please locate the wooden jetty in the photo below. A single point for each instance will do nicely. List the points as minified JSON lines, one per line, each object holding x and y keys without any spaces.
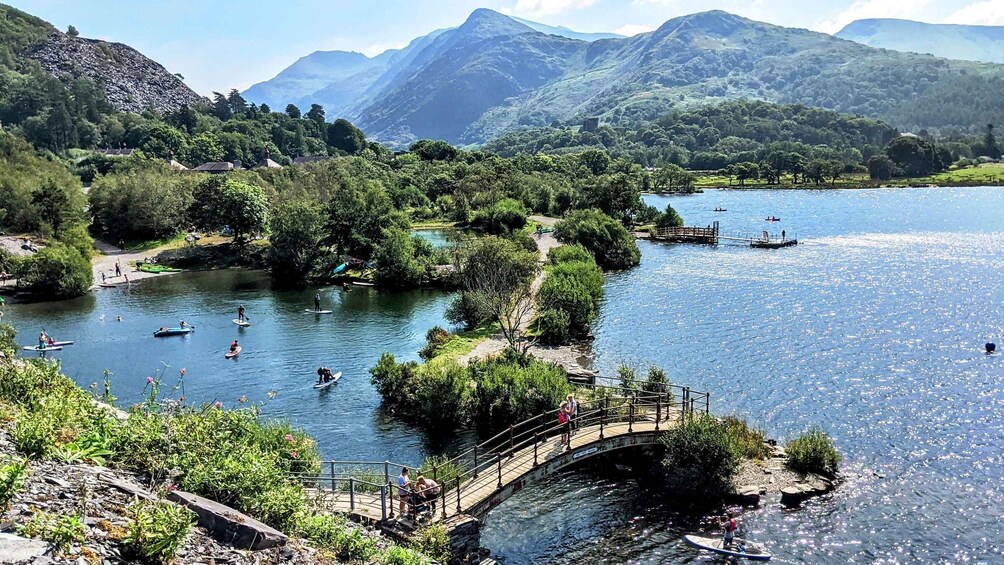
{"x":684,"y":234}
{"x":712,"y":235}
{"x":773,"y":243}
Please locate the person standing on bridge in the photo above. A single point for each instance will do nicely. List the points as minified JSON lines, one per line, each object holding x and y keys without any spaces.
{"x":784,"y":236}
{"x":563,"y":422}
{"x":404,"y":490}
{"x":573,"y":413}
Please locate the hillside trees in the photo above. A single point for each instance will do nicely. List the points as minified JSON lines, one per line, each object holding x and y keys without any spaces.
{"x":297,"y":233}
{"x":220,"y":201}
{"x":147,"y":201}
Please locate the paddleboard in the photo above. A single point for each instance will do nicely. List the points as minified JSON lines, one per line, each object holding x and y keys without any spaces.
{"x":108,"y":285}
{"x":334,"y":379}
{"x":234,"y":353}
{"x":42,"y":349}
{"x":360,"y":283}
{"x":309,"y":311}
{"x":60,"y":344}
{"x":242,"y":324}
{"x":173,"y":331}
{"x":746,"y":550}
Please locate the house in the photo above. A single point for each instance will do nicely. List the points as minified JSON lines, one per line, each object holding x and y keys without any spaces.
{"x":590,"y":124}
{"x":215,"y":167}
{"x":268,"y":163}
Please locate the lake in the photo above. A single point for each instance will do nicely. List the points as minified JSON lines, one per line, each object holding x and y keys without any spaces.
{"x":872,"y":328}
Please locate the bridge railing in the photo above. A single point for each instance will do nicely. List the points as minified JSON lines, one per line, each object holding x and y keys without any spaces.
{"x":369,"y":483}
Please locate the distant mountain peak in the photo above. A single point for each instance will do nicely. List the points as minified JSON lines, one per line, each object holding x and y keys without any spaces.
{"x":713,"y":22}
{"x":489,"y":22}
{"x":951,"y":41}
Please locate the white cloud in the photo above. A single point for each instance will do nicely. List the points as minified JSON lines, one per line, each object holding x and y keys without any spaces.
{"x":864,"y":9}
{"x":986,"y":12}
{"x":549,"y":7}
{"x":633,"y":29}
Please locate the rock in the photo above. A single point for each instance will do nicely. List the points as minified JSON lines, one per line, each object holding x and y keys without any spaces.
{"x":748,"y":495}
{"x":16,"y":549}
{"x":228,"y":525}
{"x":57,"y":481}
{"x":126,"y":486}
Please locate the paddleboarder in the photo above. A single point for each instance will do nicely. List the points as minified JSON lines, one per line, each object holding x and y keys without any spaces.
{"x":240,"y":314}
{"x":317,"y":302}
{"x":730,"y":524}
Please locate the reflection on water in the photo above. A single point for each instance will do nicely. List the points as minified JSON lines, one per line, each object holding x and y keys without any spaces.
{"x":872,"y":329}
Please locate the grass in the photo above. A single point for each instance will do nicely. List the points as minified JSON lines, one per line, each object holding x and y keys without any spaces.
{"x":464,"y":342}
{"x":140,"y":246}
{"x":988,"y":174}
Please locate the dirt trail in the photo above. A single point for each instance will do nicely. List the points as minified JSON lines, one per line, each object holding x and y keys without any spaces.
{"x":109,"y":255}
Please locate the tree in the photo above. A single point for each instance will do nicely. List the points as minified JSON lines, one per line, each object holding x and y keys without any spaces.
{"x":316,"y":114}
{"x":880,"y":167}
{"x":295,"y":240}
{"x":669,"y":218}
{"x":143,"y":203}
{"x":747,"y":171}
{"x":815,"y":171}
{"x":617,"y":195}
{"x":497,"y":274}
{"x":609,"y":242}
{"x":358,"y":214}
{"x":346,"y":137}
{"x":595,"y":160}
{"x":701,"y":459}
{"x":292,"y":111}
{"x":205,"y":148}
{"x":220,"y":202}
{"x":221,"y":107}
{"x":72,"y":31}
{"x":916,"y":157}
{"x":990,"y":143}
{"x":236,"y":102}
{"x":57,"y":271}
{"x":62,"y":131}
{"x":429,"y":150}
{"x":396,"y":266}
{"x":502,"y":217}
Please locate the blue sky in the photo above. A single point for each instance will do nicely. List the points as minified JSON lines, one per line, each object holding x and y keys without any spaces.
{"x":221,"y":44}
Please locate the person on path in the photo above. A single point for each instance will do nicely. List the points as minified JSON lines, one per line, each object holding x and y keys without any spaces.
{"x":126,"y":278}
{"x":240,"y":313}
{"x":317,"y":302}
{"x":403,"y":490}
{"x":563,"y":422}
{"x":102,"y":277}
{"x":118,"y":269}
{"x":729,"y":524}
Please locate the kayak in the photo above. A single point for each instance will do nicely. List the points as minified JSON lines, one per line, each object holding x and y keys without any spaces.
{"x":148,"y":268}
{"x":746,"y":550}
{"x":42,"y":349}
{"x":242,"y":324}
{"x":234,"y":353}
{"x":361,"y":283}
{"x":334,"y":379}
{"x":340,"y":268}
{"x":173,"y":331}
{"x":309,"y":311}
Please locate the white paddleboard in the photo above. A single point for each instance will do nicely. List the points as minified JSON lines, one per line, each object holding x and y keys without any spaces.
{"x":234,"y":353}
{"x":334,"y":379}
{"x":43,"y":349}
{"x":309,"y":311}
{"x":242,"y":324}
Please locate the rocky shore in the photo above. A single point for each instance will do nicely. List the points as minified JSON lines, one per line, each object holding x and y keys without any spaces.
{"x":772,"y":478}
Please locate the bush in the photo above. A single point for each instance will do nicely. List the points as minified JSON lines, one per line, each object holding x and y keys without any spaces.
{"x":510,"y":391}
{"x":627,"y":377}
{"x":57,"y":271}
{"x":569,"y":254}
{"x":502,"y":217}
{"x":148,"y":202}
{"x":158,"y":529}
{"x":396,"y":266}
{"x":435,"y":338}
{"x":397,"y":555}
{"x":611,"y":244}
{"x":656,"y":382}
{"x":295,"y":241}
{"x":442,"y":396}
{"x":554,"y":327}
{"x":574,"y":289}
{"x":333,"y":532}
{"x":701,"y":461}
{"x":61,"y":531}
{"x":467,"y":309}
{"x":813,"y":452}
{"x":12,"y":475}
{"x":669,"y":219}
{"x":748,"y":440}
{"x":434,"y":542}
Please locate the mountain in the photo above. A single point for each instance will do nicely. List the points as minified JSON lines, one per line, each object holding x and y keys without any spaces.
{"x":966,"y":42}
{"x":495,"y":74}
{"x":565,"y":32}
{"x":131,"y":82}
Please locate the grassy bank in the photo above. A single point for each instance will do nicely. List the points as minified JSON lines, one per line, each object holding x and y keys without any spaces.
{"x":990,"y":174}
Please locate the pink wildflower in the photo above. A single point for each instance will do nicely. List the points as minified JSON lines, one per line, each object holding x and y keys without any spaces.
{"x":149,"y":380}
{"x":219,"y":405}
{"x":294,"y":454}
{"x":135,"y":406}
{"x":171,"y":487}
{"x":289,"y":438}
{"x":183,"y":372}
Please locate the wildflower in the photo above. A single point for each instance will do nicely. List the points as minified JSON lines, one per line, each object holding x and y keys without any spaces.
{"x":289,"y":438}
{"x":181,"y":399}
{"x":135,"y":406}
{"x":149,"y":380}
{"x":294,"y":454}
{"x":171,"y":487}
{"x":219,"y":405}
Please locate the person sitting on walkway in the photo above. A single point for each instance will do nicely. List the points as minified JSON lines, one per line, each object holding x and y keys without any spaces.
{"x":428,"y":490}
{"x":403,"y":490}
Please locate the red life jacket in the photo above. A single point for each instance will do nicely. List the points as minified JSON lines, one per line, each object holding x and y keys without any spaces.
{"x":731,"y":525}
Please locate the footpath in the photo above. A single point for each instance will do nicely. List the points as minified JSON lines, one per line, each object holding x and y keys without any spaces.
{"x":572,"y":358}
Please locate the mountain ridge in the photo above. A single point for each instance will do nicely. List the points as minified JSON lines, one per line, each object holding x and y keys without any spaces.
{"x":952,"y":41}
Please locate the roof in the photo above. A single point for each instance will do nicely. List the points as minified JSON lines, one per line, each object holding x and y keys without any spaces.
{"x":269,"y":164}
{"x":215,"y":167}
{"x":118,"y":152}
{"x":176,"y":165}
{"x":310,"y":159}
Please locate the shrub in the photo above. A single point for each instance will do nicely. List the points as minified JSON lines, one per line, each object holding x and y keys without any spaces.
{"x":610,"y":243}
{"x":575,"y":289}
{"x":656,"y":382}
{"x":511,"y":391}
{"x":12,"y":474}
{"x":554,"y":327}
{"x":295,"y":241}
{"x":748,"y":440}
{"x":627,"y":377}
{"x":147,"y":202}
{"x":435,"y":338}
{"x":701,"y":460}
{"x":569,"y":254}
{"x":502,"y":217}
{"x":813,"y":452}
{"x":669,"y":219}
{"x":57,"y":271}
{"x":61,"y":531}
{"x":468,"y":310}
{"x":158,"y":529}
{"x":442,"y":395}
{"x":434,"y":542}
{"x":396,"y":266}
{"x":397,"y":555}
{"x":442,"y":469}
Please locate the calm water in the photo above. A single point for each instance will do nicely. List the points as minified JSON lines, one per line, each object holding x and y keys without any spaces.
{"x":282,"y":349}
{"x":873,"y":329}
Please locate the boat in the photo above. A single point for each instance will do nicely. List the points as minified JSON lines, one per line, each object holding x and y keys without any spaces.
{"x":740,"y":548}
{"x":42,"y":349}
{"x":772,"y":219}
{"x":362,"y":283}
{"x":340,"y":268}
{"x":243,"y":324}
{"x":309,"y":311}
{"x":166,"y":332}
{"x":233,"y":354}
{"x":334,"y":379}
{"x":720,"y":210}
{"x":156,"y":269}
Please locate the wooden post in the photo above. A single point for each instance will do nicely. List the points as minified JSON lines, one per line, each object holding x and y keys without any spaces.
{"x":383,"y":502}
{"x":352,"y":493}
{"x":475,"y":460}
{"x":331,"y":466}
{"x":631,"y":417}
{"x":536,"y":441}
{"x":499,"y":460}
{"x":390,"y":488}
{"x":435,"y":472}
{"x":658,"y":411}
{"x":444,"y":489}
{"x":458,"y":497}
